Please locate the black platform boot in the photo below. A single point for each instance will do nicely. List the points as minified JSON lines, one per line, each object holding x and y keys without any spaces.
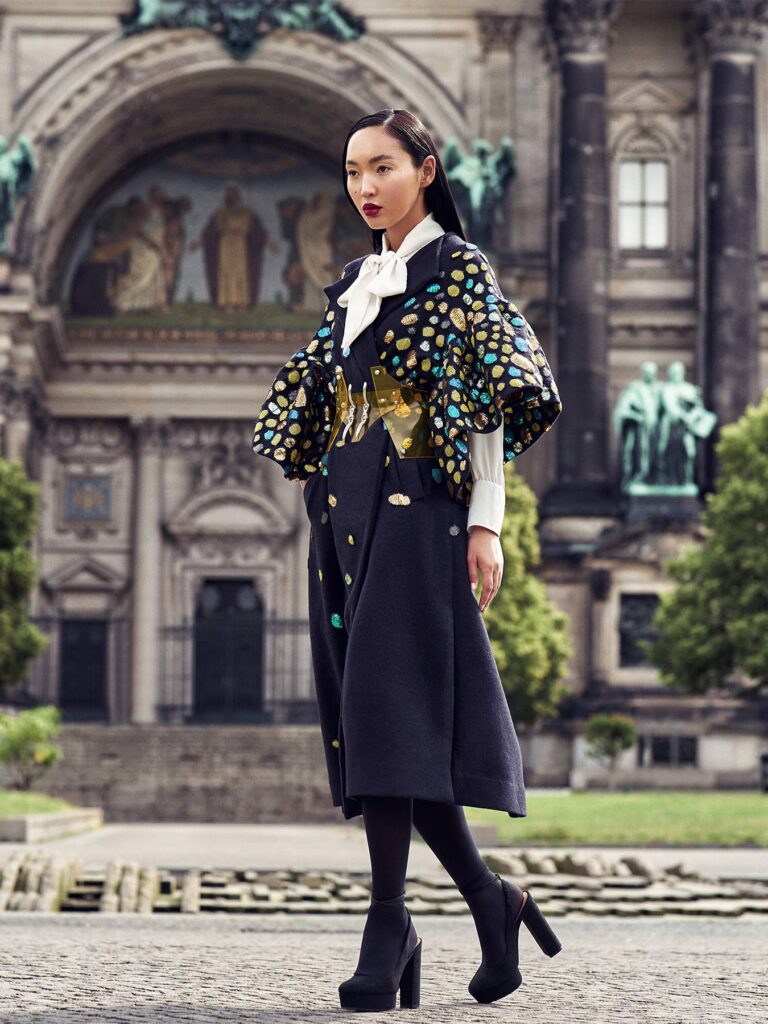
{"x":390,"y":959}
{"x":493,"y":981}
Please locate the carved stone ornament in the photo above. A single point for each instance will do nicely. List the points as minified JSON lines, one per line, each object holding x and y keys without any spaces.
{"x":242,"y":24}
{"x":497,"y":31}
{"x":722,"y":26}
{"x":582,"y":26}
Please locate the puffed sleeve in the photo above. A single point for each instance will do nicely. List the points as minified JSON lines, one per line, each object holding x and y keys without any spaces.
{"x":494,"y":371}
{"x":295,"y":420}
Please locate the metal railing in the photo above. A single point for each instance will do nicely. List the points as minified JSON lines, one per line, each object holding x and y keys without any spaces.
{"x":227,"y":671}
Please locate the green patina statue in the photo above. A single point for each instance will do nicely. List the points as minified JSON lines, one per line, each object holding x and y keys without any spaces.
{"x":659,"y":424}
{"x":17,"y":167}
{"x":479,"y":181}
{"x":242,"y":24}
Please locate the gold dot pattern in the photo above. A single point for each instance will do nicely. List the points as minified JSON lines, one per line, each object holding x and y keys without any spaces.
{"x":459,"y":339}
{"x":296,"y":418}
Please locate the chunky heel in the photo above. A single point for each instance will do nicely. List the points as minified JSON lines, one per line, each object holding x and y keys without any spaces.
{"x":366,"y":990}
{"x":410,"y":982}
{"x":539,"y":928}
{"x":494,"y":981}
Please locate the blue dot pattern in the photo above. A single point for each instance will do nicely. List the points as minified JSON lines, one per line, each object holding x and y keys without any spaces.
{"x":458,"y":338}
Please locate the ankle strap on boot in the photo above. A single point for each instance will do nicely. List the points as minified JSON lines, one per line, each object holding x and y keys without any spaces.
{"x":479,"y":882}
{"x":393,"y":901}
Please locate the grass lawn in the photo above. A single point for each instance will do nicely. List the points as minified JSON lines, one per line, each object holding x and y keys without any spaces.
{"x":13,"y":803}
{"x":654,"y":817}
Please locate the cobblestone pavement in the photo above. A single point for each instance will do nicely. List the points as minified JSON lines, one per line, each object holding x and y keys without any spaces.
{"x":61,"y":968}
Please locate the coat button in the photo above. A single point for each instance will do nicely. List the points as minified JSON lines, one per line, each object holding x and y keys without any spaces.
{"x":334,"y":743}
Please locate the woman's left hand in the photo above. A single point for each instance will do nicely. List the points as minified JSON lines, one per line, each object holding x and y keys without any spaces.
{"x":484,"y":553}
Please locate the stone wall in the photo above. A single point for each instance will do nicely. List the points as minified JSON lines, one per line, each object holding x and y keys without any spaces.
{"x":227,"y":773}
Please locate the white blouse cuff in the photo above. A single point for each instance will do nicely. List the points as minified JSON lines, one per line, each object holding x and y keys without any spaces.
{"x":488,"y":497}
{"x":486,"y":505}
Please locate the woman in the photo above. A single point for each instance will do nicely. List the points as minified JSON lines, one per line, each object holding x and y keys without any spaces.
{"x":418,"y":352}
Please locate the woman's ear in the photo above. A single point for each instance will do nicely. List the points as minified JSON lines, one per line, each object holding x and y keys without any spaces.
{"x":429,"y":170}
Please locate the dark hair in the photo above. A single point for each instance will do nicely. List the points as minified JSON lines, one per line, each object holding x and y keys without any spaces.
{"x":416,"y":138}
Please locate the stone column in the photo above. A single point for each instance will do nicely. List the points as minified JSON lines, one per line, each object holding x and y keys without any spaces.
{"x":729,"y":35}
{"x":497,"y":34}
{"x":581,"y":30}
{"x":150,"y":439}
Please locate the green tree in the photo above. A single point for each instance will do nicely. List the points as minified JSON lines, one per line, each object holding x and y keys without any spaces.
{"x":715,"y":622}
{"x":25,"y":743}
{"x":20,"y":641}
{"x":607,"y":736}
{"x":529,"y":635}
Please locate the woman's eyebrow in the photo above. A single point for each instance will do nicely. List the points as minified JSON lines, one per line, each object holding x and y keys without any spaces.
{"x":381,"y":156}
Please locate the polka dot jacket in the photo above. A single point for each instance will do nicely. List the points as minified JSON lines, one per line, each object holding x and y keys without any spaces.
{"x":451,"y":333}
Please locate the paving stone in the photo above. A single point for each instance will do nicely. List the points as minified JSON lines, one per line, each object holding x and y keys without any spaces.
{"x":214,"y":968}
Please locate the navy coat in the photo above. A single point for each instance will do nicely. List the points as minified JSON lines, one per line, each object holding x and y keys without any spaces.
{"x":409,"y":694}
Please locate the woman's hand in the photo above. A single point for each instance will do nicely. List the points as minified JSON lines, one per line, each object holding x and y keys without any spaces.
{"x":484,"y":553}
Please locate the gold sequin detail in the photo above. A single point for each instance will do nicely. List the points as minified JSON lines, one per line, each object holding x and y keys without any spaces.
{"x":334,"y":743}
{"x":347,"y":578}
{"x":350,"y":538}
{"x":331,"y":499}
{"x":457,"y":318}
{"x":320,"y":573}
{"x":410,"y":318}
{"x":399,"y":499}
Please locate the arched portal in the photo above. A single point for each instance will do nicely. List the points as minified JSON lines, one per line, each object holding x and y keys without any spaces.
{"x":119,"y":99}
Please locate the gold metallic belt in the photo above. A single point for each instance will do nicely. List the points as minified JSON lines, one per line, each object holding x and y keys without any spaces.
{"x":404,"y":410}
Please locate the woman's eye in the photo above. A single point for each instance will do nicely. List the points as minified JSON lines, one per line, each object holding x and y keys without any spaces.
{"x":379,"y":168}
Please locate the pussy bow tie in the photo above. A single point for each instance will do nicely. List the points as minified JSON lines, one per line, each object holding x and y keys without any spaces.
{"x":382,"y":274}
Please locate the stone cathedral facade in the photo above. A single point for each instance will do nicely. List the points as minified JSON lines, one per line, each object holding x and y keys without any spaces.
{"x":164,"y":263}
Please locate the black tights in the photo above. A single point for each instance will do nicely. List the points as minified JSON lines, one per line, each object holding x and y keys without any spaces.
{"x":444,"y":828}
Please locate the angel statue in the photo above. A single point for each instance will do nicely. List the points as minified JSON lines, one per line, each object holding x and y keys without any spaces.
{"x":17,"y":167}
{"x":479,"y":181}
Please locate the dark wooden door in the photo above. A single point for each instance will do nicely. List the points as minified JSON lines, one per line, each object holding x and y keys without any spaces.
{"x":83,"y":669}
{"x":228,"y":651}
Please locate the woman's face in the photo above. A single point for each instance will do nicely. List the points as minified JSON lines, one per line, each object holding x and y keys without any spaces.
{"x":387,"y":189}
